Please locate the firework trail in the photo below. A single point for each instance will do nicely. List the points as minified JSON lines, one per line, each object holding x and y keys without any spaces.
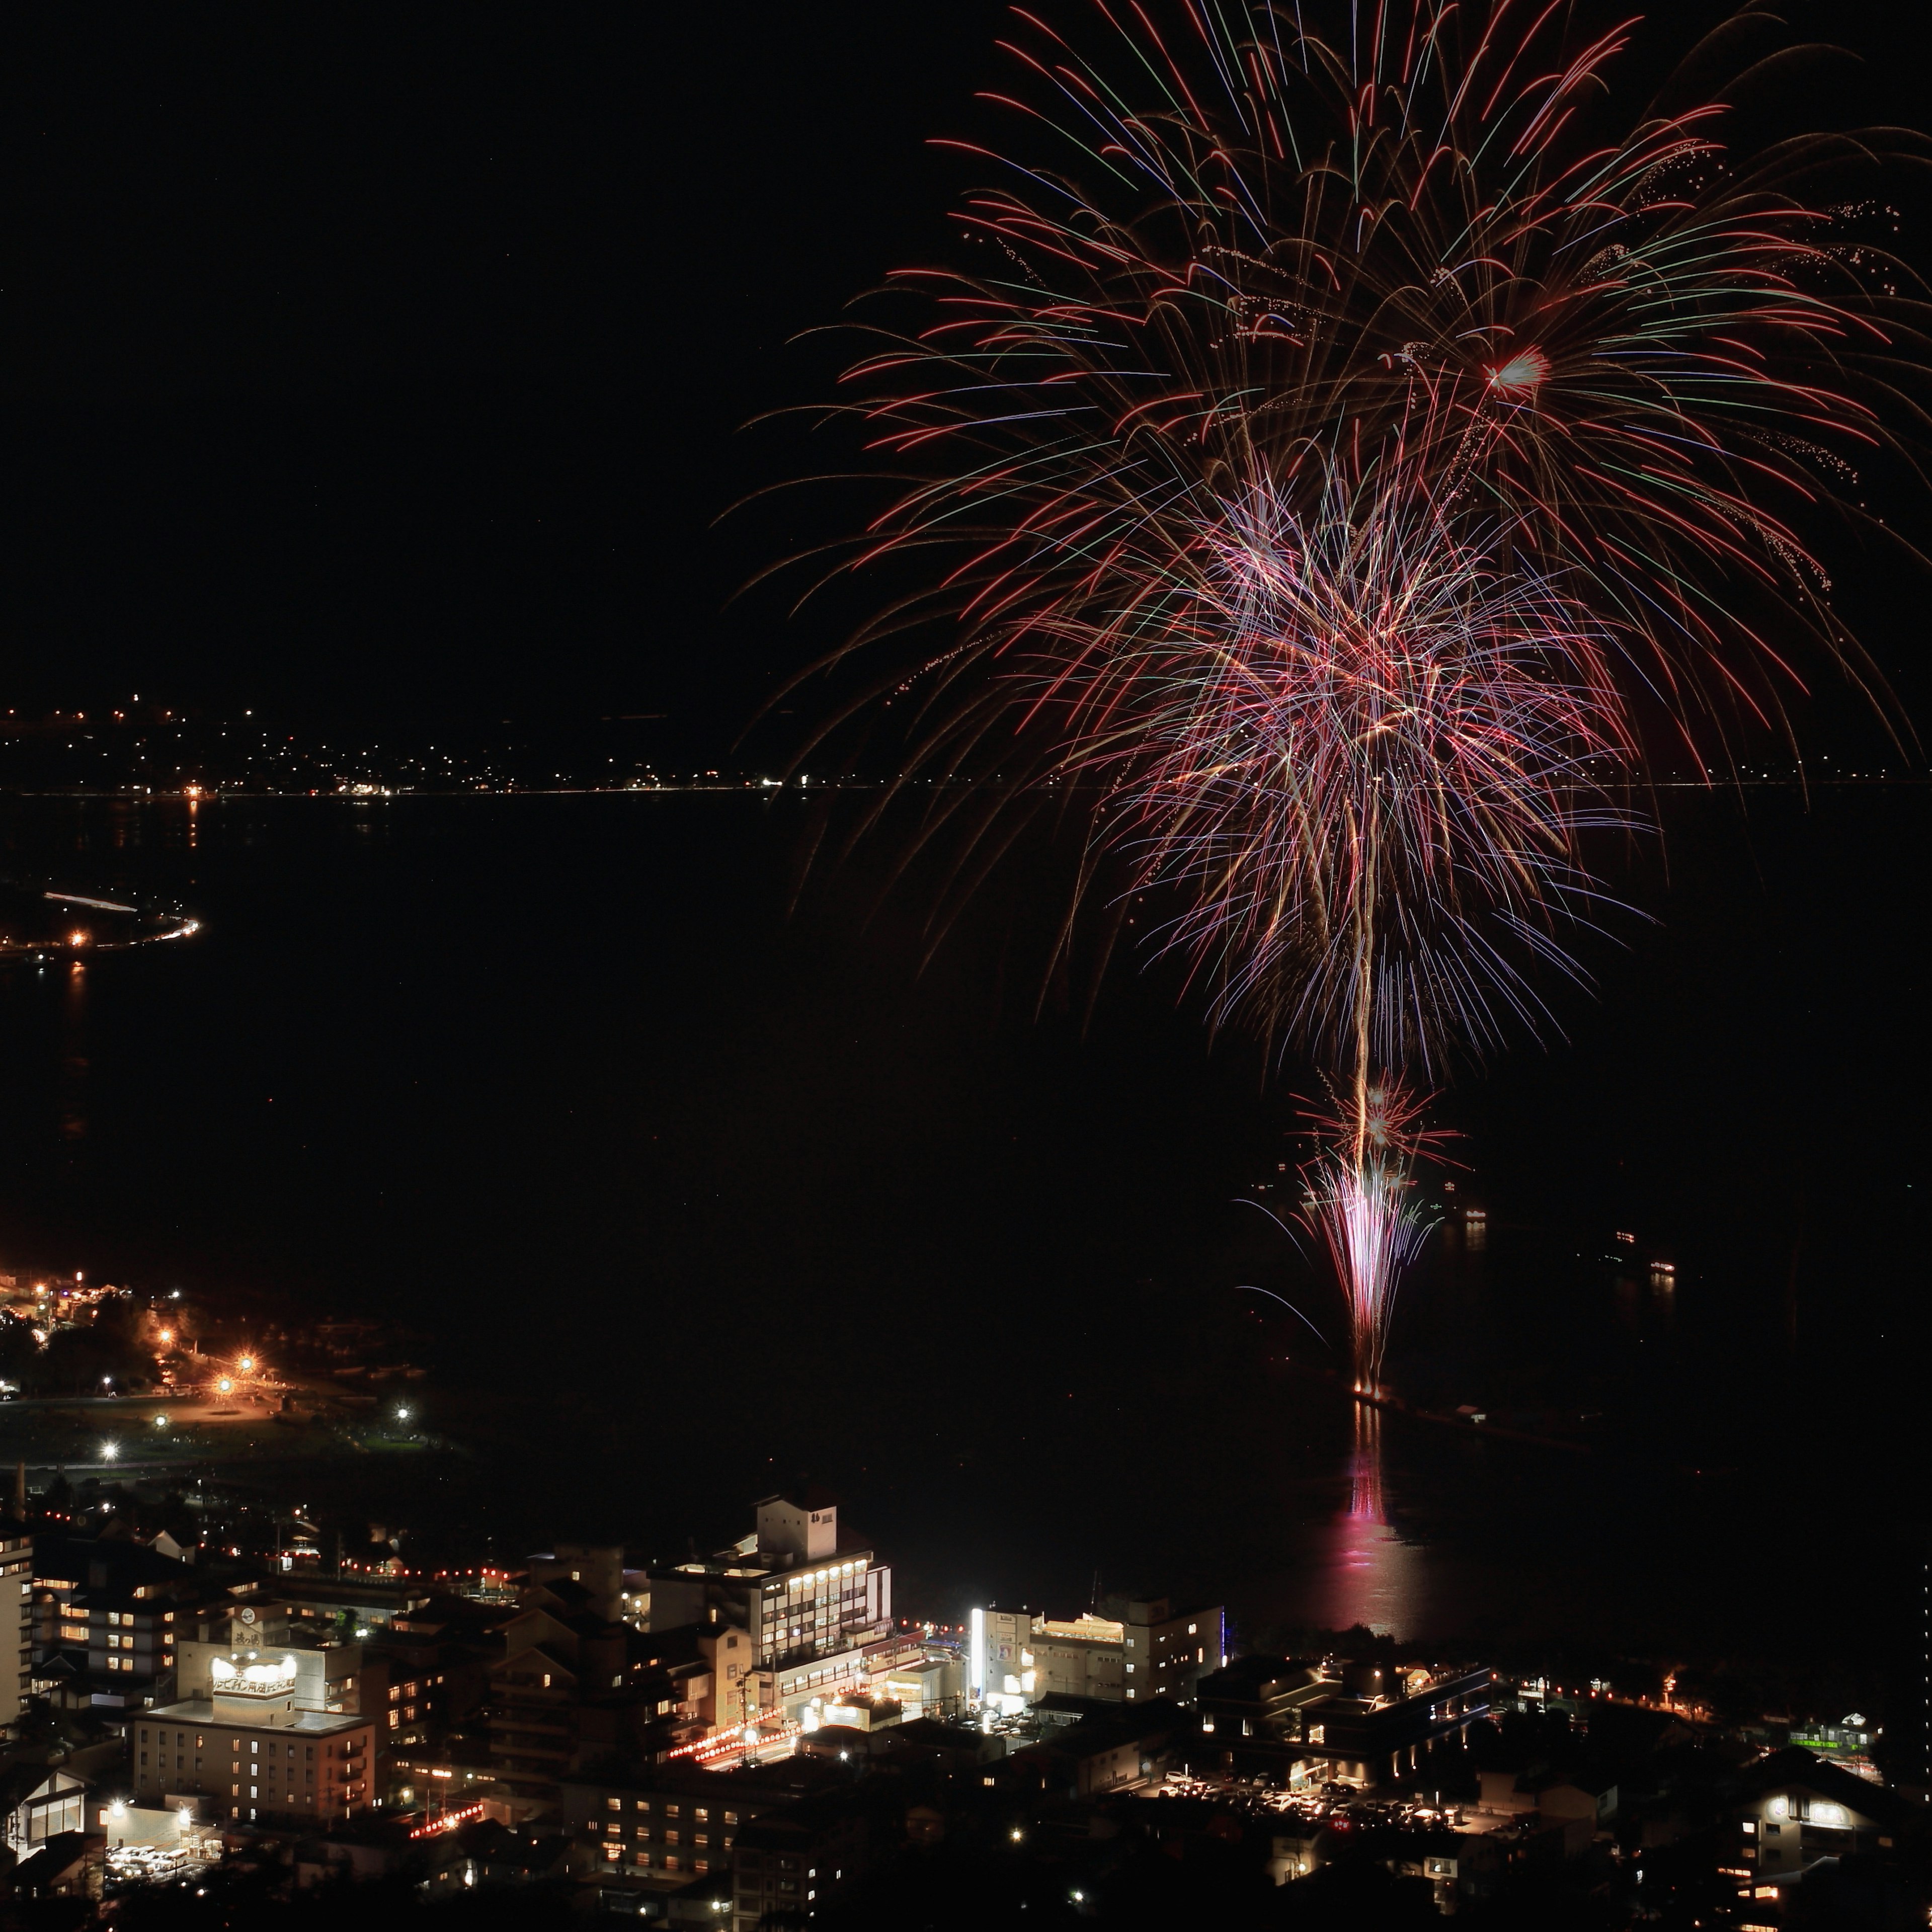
{"x":1347,"y":455}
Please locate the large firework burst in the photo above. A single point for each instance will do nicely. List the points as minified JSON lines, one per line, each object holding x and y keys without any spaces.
{"x":1346,"y":452}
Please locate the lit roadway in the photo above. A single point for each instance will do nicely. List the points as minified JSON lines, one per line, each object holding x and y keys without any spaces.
{"x":93,"y":1401}
{"x":186,"y":1404}
{"x":254,"y":1404}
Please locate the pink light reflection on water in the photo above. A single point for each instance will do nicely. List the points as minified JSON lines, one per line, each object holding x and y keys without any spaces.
{"x":1362,"y":1572}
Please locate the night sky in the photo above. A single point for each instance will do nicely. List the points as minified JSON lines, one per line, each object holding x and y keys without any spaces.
{"x":391,"y":367}
{"x":392,"y":371}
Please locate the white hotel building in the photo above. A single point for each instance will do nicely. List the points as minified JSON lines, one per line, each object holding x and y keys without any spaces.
{"x":818,"y":1606}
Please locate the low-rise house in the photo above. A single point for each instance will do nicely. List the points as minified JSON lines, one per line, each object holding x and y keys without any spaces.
{"x":1564,"y":1796}
{"x":71,"y":1864}
{"x":1797,"y":1809}
{"x":1102,"y":1754}
{"x":40,"y":1801}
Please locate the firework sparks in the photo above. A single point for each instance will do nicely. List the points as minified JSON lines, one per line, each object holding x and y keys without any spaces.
{"x":1278,"y":317}
{"x":1341,"y":450}
{"x":1359,"y":755}
{"x":1360,"y":1202}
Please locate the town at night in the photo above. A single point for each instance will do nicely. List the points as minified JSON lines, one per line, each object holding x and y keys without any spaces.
{"x":961,"y":968}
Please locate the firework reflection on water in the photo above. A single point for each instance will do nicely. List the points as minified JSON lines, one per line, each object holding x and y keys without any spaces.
{"x":1363,"y":1572}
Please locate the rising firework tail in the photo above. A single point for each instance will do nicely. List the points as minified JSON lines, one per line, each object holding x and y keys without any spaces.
{"x":1359,"y":1199}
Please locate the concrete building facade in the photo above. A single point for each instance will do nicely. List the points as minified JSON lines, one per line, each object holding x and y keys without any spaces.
{"x":16,"y":1620}
{"x":1141,"y":1649}
{"x":815,"y":1601}
{"x":254,"y":1750}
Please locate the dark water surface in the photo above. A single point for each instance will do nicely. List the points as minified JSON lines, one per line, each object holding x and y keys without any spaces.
{"x":689,"y":1196}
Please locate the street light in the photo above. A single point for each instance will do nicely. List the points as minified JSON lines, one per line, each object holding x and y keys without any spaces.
{"x":110,"y":1451}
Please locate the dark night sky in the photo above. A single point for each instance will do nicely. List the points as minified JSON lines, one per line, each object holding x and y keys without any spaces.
{"x":393,"y":369}
{"x":386,"y":365}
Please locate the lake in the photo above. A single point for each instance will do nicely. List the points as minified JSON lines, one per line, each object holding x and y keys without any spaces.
{"x":694,"y":1185}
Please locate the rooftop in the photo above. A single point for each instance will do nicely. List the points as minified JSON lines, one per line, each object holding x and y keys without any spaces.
{"x":309,"y":1723}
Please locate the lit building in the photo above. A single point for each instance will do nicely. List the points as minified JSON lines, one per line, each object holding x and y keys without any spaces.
{"x":790,"y":1864}
{"x":38,"y":1803}
{"x":106,"y":1617}
{"x":1143,"y":1650}
{"x":256,"y":1749}
{"x":1802,"y":1809}
{"x":660,"y":1830}
{"x":815,"y":1602}
{"x":1260,"y":1697}
{"x":1375,"y":1725}
{"x":1315,"y":1723}
{"x":16,"y":1619}
{"x":932,"y":1684}
{"x":395,"y":1678}
{"x":1168,"y":1651}
{"x":568,"y":1688}
{"x":1000,"y":1668}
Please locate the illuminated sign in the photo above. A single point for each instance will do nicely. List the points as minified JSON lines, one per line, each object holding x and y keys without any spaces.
{"x":231,"y":1679}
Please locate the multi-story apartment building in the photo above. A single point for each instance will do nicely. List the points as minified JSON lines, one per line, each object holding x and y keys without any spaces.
{"x":566,"y":1687}
{"x":395,"y":1678}
{"x":674,"y":1826}
{"x":16,"y":1619}
{"x":790,"y":1865}
{"x":598,"y":1568}
{"x":659,"y":1829}
{"x":1143,"y":1649}
{"x":126,"y":1636}
{"x":107,"y":1613}
{"x":1167,"y":1652}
